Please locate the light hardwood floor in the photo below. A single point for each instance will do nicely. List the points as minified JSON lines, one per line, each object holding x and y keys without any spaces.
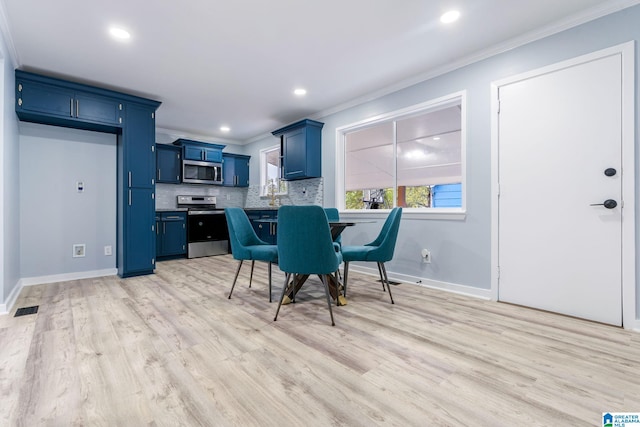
{"x":170,"y":349}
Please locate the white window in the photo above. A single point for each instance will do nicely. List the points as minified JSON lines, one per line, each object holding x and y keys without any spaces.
{"x":270,"y":182}
{"x":414,"y":158}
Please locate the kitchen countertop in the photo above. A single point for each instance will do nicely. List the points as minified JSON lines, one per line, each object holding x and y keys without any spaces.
{"x":268,"y":208}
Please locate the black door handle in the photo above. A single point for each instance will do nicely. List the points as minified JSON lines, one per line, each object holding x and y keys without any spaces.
{"x":609,"y":204}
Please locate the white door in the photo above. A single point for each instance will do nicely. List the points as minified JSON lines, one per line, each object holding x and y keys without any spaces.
{"x":559,"y":160}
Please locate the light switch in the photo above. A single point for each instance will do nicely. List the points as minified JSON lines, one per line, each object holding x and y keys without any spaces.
{"x":80,"y":186}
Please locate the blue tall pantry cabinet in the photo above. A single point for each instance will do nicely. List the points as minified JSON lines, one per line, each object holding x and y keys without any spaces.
{"x":136,"y":152}
{"x":52,"y":101}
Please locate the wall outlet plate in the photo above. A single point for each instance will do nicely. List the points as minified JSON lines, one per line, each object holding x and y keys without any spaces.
{"x":79,"y":250}
{"x":107,"y":250}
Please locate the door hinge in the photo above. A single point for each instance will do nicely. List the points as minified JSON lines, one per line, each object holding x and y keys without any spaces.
{"x":498,"y":272}
{"x":20,"y":102}
{"x":19,"y":87}
{"x":120,"y":107}
{"x":153,"y":261}
{"x":498,"y":107}
{"x":153,"y":115}
{"x":153,"y":148}
{"x":120,"y":120}
{"x":153,"y":195}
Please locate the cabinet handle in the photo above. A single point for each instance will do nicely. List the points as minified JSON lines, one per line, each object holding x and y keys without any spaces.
{"x":129,"y":178}
{"x":164,"y":228}
{"x":70,"y":107}
{"x":77,"y":108}
{"x":173,"y":217}
{"x":129,"y":197}
{"x":157,"y":229}
{"x":159,"y":174}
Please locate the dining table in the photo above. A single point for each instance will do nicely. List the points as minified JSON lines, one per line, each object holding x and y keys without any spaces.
{"x":336,"y":288}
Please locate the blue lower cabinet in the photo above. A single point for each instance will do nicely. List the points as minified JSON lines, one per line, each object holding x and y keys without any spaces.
{"x":139,"y":254}
{"x":266,"y":231}
{"x":171,"y":234}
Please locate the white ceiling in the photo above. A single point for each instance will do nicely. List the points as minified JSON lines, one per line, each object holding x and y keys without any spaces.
{"x":237,"y":62}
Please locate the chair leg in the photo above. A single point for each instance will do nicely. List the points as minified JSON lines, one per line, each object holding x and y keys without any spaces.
{"x":270,"y":282}
{"x":336,"y":276}
{"x":235,"y":279}
{"x":253,"y":262}
{"x":386,"y":279}
{"x":325,"y":281}
{"x":346,"y":273}
{"x":287,"y":276}
{"x":381,"y":278}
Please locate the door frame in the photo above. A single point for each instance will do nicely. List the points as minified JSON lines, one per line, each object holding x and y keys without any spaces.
{"x":628,"y":178}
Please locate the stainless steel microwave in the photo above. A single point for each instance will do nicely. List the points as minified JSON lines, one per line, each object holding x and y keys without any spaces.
{"x":196,"y":172}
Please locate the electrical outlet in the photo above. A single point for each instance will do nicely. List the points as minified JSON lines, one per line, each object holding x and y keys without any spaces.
{"x":79,"y":250}
{"x":426,"y":256}
{"x":107,"y":250}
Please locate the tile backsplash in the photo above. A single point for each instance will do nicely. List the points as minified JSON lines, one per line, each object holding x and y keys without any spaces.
{"x":302,"y":192}
{"x":167,"y":194}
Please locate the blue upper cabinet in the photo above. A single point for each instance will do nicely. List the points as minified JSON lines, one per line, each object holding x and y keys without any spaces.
{"x":300,"y":150}
{"x":48,"y":100}
{"x":201,"y":151}
{"x":168,"y":163}
{"x":235,"y":169}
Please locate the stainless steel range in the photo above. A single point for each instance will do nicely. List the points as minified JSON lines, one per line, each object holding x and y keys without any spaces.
{"x":207,"y":232}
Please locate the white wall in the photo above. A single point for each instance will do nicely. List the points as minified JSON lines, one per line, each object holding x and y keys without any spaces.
{"x":461,"y":249}
{"x":53,"y":214}
{"x":9,"y":192}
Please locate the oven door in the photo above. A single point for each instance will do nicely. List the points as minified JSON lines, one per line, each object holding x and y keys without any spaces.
{"x":207,"y":234}
{"x":194,"y":172}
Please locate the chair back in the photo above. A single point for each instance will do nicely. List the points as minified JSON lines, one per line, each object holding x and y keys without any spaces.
{"x":241,"y":233}
{"x":304,"y":241}
{"x":386,"y":240}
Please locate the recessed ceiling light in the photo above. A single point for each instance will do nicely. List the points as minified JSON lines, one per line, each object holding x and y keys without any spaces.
{"x":119,"y":33}
{"x":300,"y":92}
{"x":225,"y":128}
{"x":436,"y":138}
{"x":450,"y":17}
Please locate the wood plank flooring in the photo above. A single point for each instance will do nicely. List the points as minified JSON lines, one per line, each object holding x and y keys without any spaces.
{"x":170,"y":349}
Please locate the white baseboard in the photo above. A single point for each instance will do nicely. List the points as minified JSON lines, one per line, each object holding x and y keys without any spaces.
{"x":11,"y":299}
{"x":54,"y":278}
{"x":42,"y":280}
{"x":428,"y":283}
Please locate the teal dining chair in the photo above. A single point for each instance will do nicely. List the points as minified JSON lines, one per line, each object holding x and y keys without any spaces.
{"x":334,"y":215}
{"x":246,"y":245}
{"x":305,"y":247}
{"x":378,"y":251}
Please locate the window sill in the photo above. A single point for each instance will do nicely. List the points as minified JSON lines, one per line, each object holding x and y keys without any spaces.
{"x":431,"y":214}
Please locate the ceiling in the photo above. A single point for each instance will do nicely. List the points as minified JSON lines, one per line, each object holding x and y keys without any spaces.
{"x":236,"y":63}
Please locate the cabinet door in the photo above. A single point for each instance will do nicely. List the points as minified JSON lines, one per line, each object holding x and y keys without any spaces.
{"x":229,"y":171}
{"x":98,"y":109}
{"x":193,"y":153}
{"x":45,"y":99}
{"x":174,"y":233}
{"x":212,"y":155}
{"x":242,"y":172}
{"x":158,"y":236}
{"x":168,"y":164}
{"x":295,"y":154}
{"x":140,"y":232}
{"x":139,"y":141}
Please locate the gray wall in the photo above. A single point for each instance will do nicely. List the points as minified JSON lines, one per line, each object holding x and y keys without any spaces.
{"x":53,"y":214}
{"x":9,"y":191}
{"x":461,"y":249}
